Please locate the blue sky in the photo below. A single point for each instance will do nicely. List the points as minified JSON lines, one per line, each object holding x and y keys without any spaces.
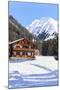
{"x":25,"y":13}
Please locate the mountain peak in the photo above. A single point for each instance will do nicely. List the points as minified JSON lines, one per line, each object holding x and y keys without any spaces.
{"x":43,"y":27}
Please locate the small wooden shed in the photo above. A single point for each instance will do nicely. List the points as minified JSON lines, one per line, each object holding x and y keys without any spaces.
{"x":22,"y":48}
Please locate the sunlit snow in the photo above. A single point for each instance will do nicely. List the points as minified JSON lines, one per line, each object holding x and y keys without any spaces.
{"x":43,"y":71}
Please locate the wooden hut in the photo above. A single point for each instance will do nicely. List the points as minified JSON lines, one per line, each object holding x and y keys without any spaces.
{"x":22,"y":48}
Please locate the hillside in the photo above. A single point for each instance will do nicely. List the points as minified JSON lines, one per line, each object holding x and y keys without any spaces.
{"x":17,"y":31}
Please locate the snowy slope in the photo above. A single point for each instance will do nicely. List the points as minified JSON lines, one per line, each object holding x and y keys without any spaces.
{"x":31,"y":73}
{"x":43,"y":28}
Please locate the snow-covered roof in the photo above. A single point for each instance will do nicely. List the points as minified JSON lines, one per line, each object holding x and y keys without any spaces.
{"x":16,"y":41}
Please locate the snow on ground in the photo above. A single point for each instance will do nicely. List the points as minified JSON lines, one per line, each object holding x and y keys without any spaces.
{"x":43,"y":71}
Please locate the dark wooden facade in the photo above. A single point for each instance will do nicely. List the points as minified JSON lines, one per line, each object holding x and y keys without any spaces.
{"x":22,"y":48}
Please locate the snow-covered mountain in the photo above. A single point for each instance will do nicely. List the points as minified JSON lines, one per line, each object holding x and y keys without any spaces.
{"x":44,"y":28}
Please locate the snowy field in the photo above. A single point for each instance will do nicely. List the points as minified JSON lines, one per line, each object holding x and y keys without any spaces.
{"x":43,"y":71}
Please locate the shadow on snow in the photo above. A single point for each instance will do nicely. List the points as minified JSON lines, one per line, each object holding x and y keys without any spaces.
{"x":17,"y":80}
{"x":19,"y":60}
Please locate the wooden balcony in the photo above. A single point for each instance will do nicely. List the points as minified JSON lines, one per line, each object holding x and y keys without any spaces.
{"x":23,"y":49}
{"x":22,"y":58}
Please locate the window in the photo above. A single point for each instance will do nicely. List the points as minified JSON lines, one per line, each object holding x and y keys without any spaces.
{"x":21,"y":53}
{"x":20,"y":46}
{"x":25,"y":46}
{"x":29,"y":46}
{"x":17,"y":46}
{"x":14,"y":53}
{"x":18,"y":53}
{"x":29,"y":53}
{"x":14,"y":46}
